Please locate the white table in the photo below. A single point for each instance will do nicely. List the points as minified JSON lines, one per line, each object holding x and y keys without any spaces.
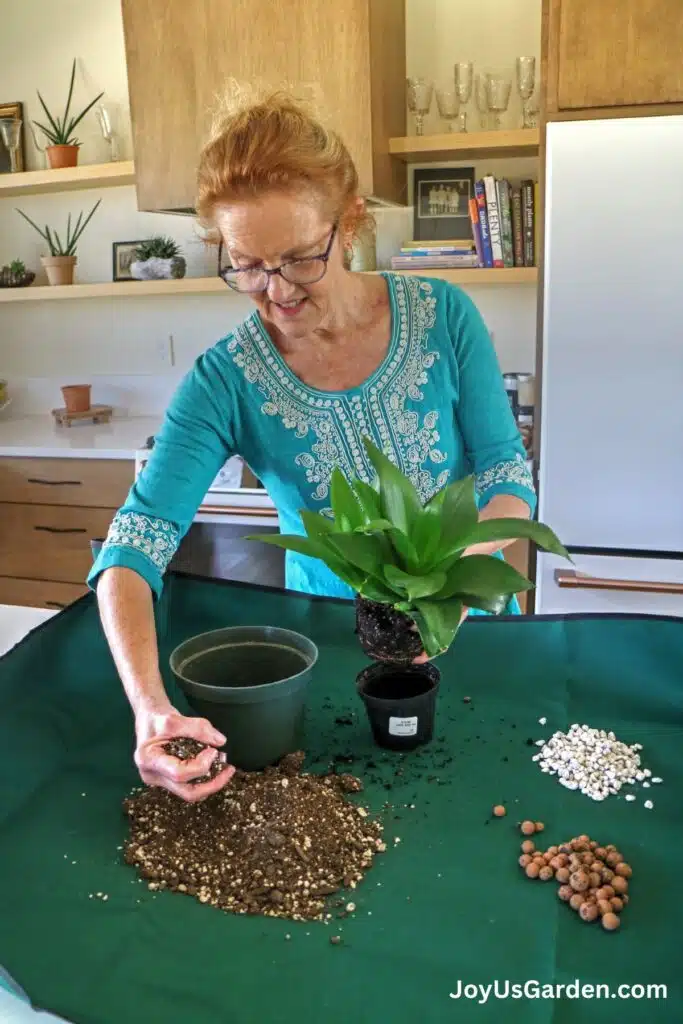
{"x":16,"y":622}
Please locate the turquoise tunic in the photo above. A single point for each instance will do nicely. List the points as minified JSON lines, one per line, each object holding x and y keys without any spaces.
{"x":436,"y":405}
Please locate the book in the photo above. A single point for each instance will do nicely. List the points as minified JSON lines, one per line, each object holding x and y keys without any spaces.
{"x":528,"y":223}
{"x":445,"y":250}
{"x":537,"y":225}
{"x":454,"y":243}
{"x":425,"y":262}
{"x":503,"y":196}
{"x":517,"y":227}
{"x":480,"y":195}
{"x":476,"y":230}
{"x":493,"y":212}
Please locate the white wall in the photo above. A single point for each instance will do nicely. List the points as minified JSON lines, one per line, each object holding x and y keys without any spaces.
{"x":123,"y":344}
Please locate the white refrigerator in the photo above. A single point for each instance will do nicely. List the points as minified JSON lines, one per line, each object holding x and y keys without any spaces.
{"x":610,"y":468}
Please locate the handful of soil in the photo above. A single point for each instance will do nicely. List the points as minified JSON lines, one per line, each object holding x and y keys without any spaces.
{"x":277,"y":842}
{"x":185,"y":749}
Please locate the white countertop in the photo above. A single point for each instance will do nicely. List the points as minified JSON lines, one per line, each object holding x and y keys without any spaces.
{"x":41,"y":437}
{"x":16,"y":622}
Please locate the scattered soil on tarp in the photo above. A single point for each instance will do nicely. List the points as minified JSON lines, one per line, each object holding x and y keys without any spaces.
{"x":276,"y":842}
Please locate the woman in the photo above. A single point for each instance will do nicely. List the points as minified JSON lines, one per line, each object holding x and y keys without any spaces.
{"x":327,"y":357}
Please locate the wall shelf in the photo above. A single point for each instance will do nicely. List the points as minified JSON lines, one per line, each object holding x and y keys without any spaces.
{"x":67,"y":179}
{"x":207,"y":285}
{"x":466,"y":145}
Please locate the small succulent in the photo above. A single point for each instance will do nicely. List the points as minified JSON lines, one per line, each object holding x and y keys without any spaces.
{"x":59,"y":131}
{"x":17,"y":267}
{"x":393,"y":551}
{"x":15,"y":275}
{"x":158,"y":248}
{"x":55,"y":244}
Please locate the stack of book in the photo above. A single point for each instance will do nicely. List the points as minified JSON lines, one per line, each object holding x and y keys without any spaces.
{"x":424,"y":255}
{"x":504,"y":222}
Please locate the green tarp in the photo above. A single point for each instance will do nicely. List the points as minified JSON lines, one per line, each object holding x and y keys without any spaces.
{"x":444,"y":908}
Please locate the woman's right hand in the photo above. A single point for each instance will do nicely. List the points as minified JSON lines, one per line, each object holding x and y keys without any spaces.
{"x":153,"y":729}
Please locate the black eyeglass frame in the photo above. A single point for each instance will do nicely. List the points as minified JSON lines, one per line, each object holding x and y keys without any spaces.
{"x":224,"y":272}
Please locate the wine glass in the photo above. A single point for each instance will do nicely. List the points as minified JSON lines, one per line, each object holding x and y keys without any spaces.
{"x":498,"y":88}
{"x":448,"y":102}
{"x":39,"y":148}
{"x":481,"y":100}
{"x":526,"y":80}
{"x":10,"y":130}
{"x":464,"y":74}
{"x":420,"y":92}
{"x":105,"y":119}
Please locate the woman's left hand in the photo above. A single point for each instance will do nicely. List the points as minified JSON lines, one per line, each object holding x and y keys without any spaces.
{"x":423,"y":658}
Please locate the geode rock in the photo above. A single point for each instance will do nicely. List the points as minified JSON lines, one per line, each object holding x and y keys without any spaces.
{"x":157,"y":269}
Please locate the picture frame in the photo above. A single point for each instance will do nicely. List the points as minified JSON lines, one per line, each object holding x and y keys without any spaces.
{"x":14,"y":112}
{"x":441,"y":203}
{"x":123,"y":254}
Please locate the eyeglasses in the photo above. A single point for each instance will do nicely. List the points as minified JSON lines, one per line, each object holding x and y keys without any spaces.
{"x":308,"y":270}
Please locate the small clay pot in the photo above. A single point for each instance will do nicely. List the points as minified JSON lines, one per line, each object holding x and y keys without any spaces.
{"x":77,"y":397}
{"x":400,"y":702}
{"x":59,"y":269}
{"x":62,"y":156}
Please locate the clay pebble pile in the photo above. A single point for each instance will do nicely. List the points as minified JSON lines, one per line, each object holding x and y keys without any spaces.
{"x":278,"y":843}
{"x":594,"y":879}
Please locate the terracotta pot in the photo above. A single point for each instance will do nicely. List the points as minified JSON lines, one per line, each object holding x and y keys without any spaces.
{"x":62,"y":156}
{"x":59,"y":269}
{"x":77,"y":397}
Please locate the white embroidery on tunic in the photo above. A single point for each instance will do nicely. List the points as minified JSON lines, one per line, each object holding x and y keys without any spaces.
{"x":156,"y":539}
{"x":335,"y":425}
{"x":511,"y":471}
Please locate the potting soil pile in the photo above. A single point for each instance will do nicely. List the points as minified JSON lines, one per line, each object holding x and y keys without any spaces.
{"x":278,"y":842}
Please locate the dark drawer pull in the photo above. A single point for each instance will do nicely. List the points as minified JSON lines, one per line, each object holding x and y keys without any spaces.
{"x":61,"y":529}
{"x":54,"y":604}
{"x":54,"y":483}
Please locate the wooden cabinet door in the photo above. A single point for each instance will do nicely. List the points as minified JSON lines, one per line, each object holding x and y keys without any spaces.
{"x":605,"y":54}
{"x":50,"y":542}
{"x":180,"y":56}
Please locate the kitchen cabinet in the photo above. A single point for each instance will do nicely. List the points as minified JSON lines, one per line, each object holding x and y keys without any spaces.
{"x":609,"y":584}
{"x":612,"y":59}
{"x":50,"y":510}
{"x":180,"y":56}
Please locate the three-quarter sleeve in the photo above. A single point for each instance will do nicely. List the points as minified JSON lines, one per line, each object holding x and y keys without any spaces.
{"x":493,"y":445}
{"x":194,"y":442}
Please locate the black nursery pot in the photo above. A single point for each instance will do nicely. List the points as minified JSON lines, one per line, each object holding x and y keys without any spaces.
{"x":400,"y":702}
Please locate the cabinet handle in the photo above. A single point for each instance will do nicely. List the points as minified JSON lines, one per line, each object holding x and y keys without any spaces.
{"x":576,"y":580}
{"x":237,"y":510}
{"x":54,"y":483}
{"x":61,"y":529}
{"x":54,"y":604}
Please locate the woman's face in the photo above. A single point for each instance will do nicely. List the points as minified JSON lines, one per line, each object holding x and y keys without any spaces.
{"x":271,"y":230}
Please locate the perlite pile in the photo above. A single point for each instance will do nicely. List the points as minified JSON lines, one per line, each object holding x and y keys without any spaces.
{"x":593,"y":761}
{"x":277,"y":843}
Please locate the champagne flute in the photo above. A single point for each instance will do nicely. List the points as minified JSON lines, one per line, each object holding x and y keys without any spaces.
{"x":498,"y":88}
{"x":481,"y":100}
{"x":10,"y":130}
{"x":448,"y":102}
{"x":526,"y":80}
{"x":464,"y":74}
{"x":105,"y":118}
{"x":420,"y":92}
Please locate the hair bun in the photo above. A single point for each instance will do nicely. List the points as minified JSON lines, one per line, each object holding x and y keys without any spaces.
{"x":238,"y":97}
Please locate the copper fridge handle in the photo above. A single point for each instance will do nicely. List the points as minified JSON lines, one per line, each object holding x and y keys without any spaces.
{"x":570,"y":579}
{"x":237,"y":510}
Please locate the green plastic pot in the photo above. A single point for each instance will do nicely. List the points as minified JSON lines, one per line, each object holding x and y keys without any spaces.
{"x":250,"y":682}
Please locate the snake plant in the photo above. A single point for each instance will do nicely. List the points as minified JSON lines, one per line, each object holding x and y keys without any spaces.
{"x":390,"y":549}
{"x":59,"y":130}
{"x":56,"y":246}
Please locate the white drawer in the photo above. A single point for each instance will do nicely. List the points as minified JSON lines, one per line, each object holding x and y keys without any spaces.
{"x":620,"y":597}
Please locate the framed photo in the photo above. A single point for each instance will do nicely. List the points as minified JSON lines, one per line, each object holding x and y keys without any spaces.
{"x":12,"y":112}
{"x":124,"y":255}
{"x":441,"y":196}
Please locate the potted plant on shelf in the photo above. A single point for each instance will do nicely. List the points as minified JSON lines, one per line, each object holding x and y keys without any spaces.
{"x":158,"y":258}
{"x":15,"y":275}
{"x":411,"y":574}
{"x":63,"y":148}
{"x":59,"y":265}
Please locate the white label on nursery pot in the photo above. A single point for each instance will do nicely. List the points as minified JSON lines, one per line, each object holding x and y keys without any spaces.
{"x":403,"y":726}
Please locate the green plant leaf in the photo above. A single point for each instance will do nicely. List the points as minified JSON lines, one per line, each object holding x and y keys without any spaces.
{"x":495,"y":605}
{"x":399,"y":500}
{"x":512,"y":529}
{"x":426,"y":536}
{"x":48,"y":133}
{"x":81,"y":229}
{"x":368,"y":499}
{"x":347,"y":511}
{"x":77,"y":120}
{"x":405,"y":549}
{"x":414,"y":586}
{"x":314,"y":548}
{"x":33,"y":224}
{"x":315,"y":524}
{"x":459,"y":514}
{"x":373,"y":590}
{"x":365,"y":552}
{"x":375,"y":526}
{"x":440,"y":621}
{"x":483,"y":576}
{"x":68,"y":99}
{"x":55,"y":124}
